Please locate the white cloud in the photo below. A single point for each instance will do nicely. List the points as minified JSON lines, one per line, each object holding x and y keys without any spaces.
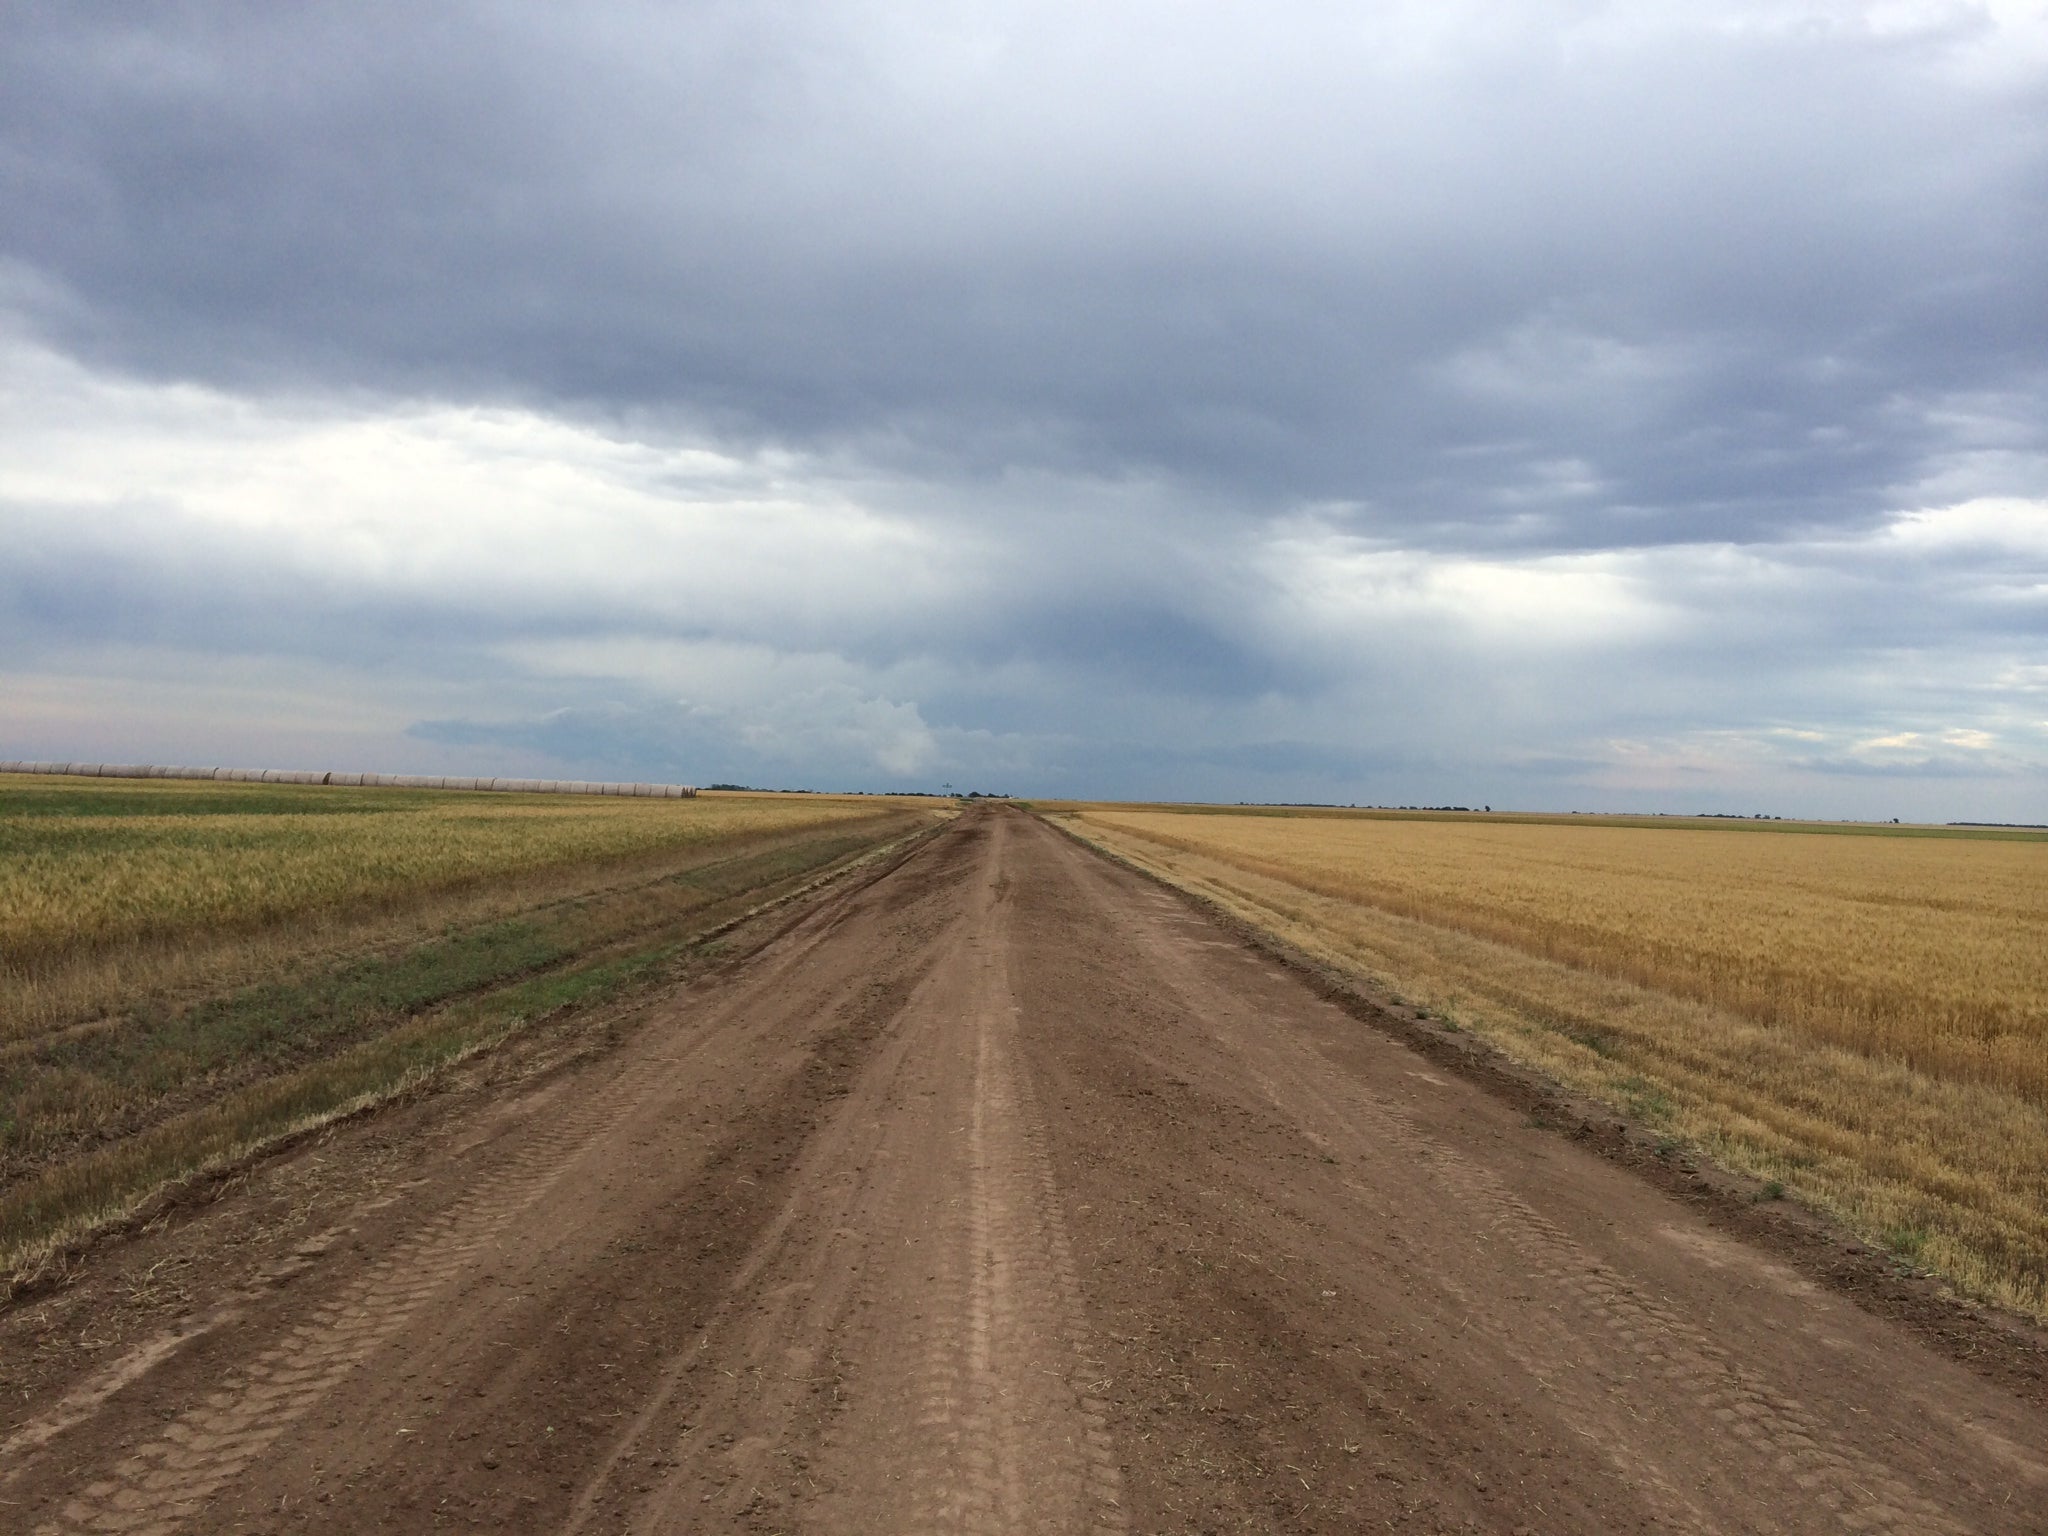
{"x":1991,"y":525}
{"x":1347,"y":590}
{"x":456,"y":504}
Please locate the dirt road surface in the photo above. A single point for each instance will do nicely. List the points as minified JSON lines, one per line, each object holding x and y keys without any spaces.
{"x":1002,"y":1192}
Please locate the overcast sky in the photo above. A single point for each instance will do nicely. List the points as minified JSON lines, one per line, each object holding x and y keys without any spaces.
{"x":1551,"y":405}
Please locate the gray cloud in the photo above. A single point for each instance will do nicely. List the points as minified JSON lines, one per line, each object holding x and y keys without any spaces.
{"x":1734,"y":271}
{"x":1161,"y":396}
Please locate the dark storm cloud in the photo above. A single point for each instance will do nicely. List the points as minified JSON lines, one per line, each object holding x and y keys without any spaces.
{"x":1623,"y":279}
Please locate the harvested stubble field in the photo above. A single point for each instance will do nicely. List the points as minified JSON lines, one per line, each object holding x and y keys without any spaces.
{"x":190,"y":970}
{"x":1857,"y":1015}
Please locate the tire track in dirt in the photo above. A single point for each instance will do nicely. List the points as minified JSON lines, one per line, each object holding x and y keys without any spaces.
{"x":1597,"y":1314}
{"x":1611,"y":1317}
{"x":915,"y":1277}
{"x":168,"y":1478}
{"x":1011,"y":1440}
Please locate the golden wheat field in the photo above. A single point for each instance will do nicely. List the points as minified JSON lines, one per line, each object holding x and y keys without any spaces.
{"x":87,"y":866}
{"x":1863,"y":1018}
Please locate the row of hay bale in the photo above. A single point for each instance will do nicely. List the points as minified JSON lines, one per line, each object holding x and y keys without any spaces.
{"x":355,"y":780}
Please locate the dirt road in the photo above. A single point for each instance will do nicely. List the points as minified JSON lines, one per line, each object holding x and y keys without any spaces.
{"x":1004,"y":1192}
